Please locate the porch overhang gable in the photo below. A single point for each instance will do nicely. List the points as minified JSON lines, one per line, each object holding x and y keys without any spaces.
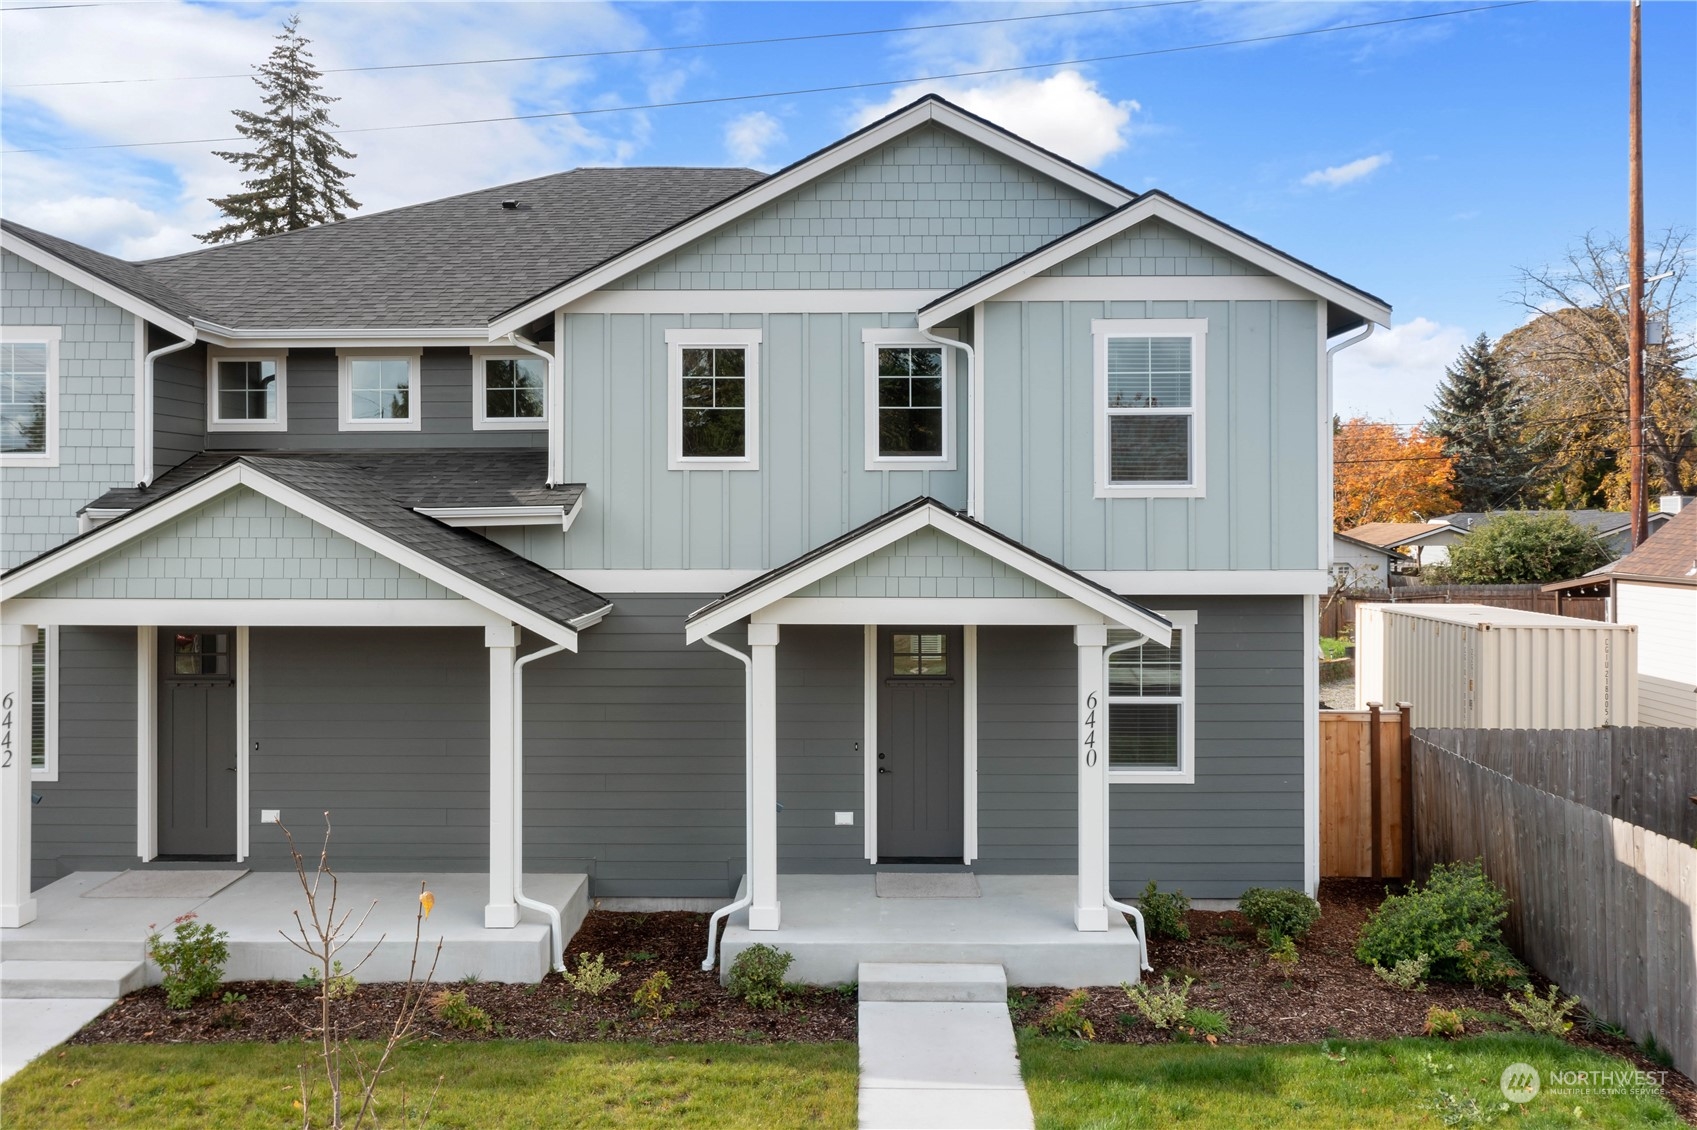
{"x":772,"y":597}
{"x":1351,"y":307}
{"x":18,"y":585}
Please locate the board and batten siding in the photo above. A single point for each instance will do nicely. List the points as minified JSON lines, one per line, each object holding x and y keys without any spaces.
{"x":1261,"y":409}
{"x":38,"y":505}
{"x":1666,"y":616}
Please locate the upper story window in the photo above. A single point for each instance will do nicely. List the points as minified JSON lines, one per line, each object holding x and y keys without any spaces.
{"x":380,"y":390}
{"x":246,"y":391}
{"x":509,"y":390}
{"x":29,"y":396}
{"x":713,"y":409}
{"x":1152,"y":706}
{"x":909,"y":402}
{"x":1149,"y":415}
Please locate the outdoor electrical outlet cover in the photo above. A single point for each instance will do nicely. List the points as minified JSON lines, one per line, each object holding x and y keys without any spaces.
{"x":845,"y":818}
{"x":270,"y":815}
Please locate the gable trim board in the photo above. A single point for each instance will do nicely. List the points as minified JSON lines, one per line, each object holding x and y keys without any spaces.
{"x":928,"y":109}
{"x":1157,"y":205}
{"x":119,"y":532}
{"x":101,"y":288}
{"x":1165,"y":582}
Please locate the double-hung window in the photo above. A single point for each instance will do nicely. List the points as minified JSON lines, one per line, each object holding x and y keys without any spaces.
{"x":713,"y":399}
{"x":909,"y":402}
{"x":1152,"y":706}
{"x":246,"y":391}
{"x":29,"y":396}
{"x":379,"y":390}
{"x":510,"y":390}
{"x":1149,"y":407}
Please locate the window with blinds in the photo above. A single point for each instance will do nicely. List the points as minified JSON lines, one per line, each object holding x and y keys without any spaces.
{"x":1146,"y":705}
{"x":1151,"y":411}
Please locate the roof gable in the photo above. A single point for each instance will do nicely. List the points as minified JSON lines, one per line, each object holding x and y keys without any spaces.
{"x":929,"y":563}
{"x":1154,"y":247}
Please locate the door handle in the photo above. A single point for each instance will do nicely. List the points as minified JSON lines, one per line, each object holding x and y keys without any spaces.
{"x":229,"y":768}
{"x":882,"y":770}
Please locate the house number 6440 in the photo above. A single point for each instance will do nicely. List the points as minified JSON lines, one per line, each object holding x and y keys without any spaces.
{"x":1090,"y":730}
{"x":6,"y":732}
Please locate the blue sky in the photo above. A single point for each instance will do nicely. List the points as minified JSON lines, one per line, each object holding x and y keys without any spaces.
{"x":1422,"y":161}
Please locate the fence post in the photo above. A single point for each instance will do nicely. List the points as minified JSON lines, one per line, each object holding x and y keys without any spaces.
{"x":1406,"y":759}
{"x":1376,"y":810}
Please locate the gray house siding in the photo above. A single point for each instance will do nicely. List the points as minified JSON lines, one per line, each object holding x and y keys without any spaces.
{"x":1153,"y":247}
{"x":38,"y":505}
{"x":1262,"y":420}
{"x":179,"y":402}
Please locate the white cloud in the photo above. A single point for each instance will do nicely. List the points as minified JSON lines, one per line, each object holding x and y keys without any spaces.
{"x":747,"y":138}
{"x":1394,"y":374}
{"x":1339,"y":175}
{"x":1064,"y":112}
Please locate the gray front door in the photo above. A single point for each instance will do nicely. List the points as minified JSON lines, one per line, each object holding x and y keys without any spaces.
{"x":921,"y":748}
{"x":197,"y":744}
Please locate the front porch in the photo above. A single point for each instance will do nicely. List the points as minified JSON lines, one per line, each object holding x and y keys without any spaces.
{"x":1024,"y":923}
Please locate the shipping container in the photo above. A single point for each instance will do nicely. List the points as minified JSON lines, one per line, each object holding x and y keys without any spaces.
{"x":1474,"y":666}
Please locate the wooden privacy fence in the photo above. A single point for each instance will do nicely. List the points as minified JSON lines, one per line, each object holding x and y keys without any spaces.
{"x":1603,"y":907}
{"x":1365,"y":790}
{"x":1337,"y":618}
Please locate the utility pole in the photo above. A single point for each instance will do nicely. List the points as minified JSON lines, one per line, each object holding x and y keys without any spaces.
{"x":1635,"y":289}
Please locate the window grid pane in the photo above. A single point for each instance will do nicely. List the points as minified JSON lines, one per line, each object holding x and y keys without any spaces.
{"x":513,"y":389}
{"x":919,"y":653}
{"x":1149,"y":372}
{"x":715,"y":419}
{"x":247,"y":391}
{"x":910,"y":402}
{"x":381,"y":388}
{"x":23,"y":398}
{"x":200,"y":653}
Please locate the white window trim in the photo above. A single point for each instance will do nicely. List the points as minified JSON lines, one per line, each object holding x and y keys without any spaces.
{"x":49,"y":770}
{"x":415,"y":394}
{"x":677,"y":340}
{"x":480,"y":402}
{"x":278,"y":357}
{"x":1101,"y":329}
{"x":48,"y":336}
{"x":1185,"y":773}
{"x":871,"y":340}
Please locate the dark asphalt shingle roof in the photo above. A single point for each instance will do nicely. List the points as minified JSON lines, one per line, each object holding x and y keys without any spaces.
{"x":1668,"y":554}
{"x":132,"y":277}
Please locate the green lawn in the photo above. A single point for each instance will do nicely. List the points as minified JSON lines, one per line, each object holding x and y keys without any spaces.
{"x":1379,"y":1084}
{"x":486,"y":1085}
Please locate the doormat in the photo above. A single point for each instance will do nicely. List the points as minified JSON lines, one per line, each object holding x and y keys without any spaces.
{"x":924,"y":885}
{"x":164,"y":885}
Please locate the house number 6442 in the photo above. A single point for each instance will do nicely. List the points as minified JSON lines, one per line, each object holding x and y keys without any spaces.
{"x":6,"y":732}
{"x":1090,"y":730}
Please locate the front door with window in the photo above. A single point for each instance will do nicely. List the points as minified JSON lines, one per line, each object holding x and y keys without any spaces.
{"x":197,"y":744}
{"x":921,"y":746}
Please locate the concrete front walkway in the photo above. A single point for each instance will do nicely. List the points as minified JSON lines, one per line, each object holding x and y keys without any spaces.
{"x":30,"y":1027}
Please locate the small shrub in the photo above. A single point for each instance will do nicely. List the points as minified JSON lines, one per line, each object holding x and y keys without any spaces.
{"x":1279,"y":912}
{"x":192,"y":960}
{"x":640,"y":955}
{"x":1020,"y":1002}
{"x":757,"y":976}
{"x":1545,"y":1015}
{"x":1655,"y":1050}
{"x":1206,"y":1022}
{"x":1163,"y":912}
{"x":1445,"y":1022}
{"x":1456,"y":919}
{"x":1333,"y":648}
{"x":1162,"y":1005}
{"x":1282,"y":953}
{"x":650,"y":996}
{"x":1066,"y":1017}
{"x":1409,"y":973}
{"x":1594,"y":1024}
{"x":451,"y":1007}
{"x":342,"y":985}
{"x":591,"y":975}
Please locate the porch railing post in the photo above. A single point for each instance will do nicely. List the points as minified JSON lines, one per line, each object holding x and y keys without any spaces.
{"x":16,"y":718}
{"x":763,"y":910}
{"x":1089,"y":911}
{"x":502,"y":912}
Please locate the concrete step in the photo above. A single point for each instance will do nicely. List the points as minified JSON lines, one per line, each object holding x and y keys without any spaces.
{"x":938,"y":982}
{"x":48,"y":948}
{"x":86,"y":980}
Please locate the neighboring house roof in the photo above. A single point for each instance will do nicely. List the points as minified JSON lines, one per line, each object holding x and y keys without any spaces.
{"x":1389,"y":535}
{"x":1668,"y":556}
{"x":1367,"y":545}
{"x":1601,"y":522}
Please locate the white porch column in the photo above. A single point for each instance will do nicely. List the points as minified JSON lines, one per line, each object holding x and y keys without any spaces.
{"x":502,"y":912}
{"x":16,"y":716}
{"x":763,"y":796}
{"x":1089,"y":911}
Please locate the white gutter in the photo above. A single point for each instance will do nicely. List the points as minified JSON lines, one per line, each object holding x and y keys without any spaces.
{"x":747,"y":798}
{"x":973,"y":454}
{"x":144,"y":406}
{"x":553,"y":405}
{"x":1327,"y":483}
{"x":557,"y":931}
{"x":1107,"y":830}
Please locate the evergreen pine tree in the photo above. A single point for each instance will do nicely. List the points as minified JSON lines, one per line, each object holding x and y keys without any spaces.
{"x":296,"y":182}
{"x":1481,"y":417}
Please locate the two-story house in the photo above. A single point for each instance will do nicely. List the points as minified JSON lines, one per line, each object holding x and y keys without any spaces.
{"x":932,"y":504}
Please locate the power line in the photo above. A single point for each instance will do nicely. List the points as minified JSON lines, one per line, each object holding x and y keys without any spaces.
{"x":625,"y":50}
{"x":813,"y":89}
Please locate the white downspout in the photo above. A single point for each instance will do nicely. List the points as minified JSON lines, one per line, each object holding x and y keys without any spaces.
{"x":972,"y":453}
{"x":556,"y":928}
{"x":555,"y":407}
{"x":747,"y":798}
{"x":1107,"y":831}
{"x":144,"y":404}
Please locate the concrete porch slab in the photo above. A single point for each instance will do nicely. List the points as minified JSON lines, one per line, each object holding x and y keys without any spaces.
{"x":833,"y":923}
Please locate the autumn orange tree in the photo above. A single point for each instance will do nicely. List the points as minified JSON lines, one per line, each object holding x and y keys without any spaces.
{"x":1383,"y":473}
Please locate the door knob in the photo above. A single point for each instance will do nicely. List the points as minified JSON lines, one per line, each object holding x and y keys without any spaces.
{"x":882,"y":770}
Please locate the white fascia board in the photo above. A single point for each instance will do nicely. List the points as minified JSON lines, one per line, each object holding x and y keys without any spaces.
{"x":344,"y":337}
{"x":926,"y":610}
{"x":461,"y":516}
{"x":98,"y":612}
{"x":1137,"y":583}
{"x":1156,"y":207}
{"x":775,"y":186}
{"x":95,"y":285}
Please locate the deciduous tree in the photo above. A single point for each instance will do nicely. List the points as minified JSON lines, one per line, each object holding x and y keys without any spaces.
{"x":1382,"y":473}
{"x":1517,"y":548}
